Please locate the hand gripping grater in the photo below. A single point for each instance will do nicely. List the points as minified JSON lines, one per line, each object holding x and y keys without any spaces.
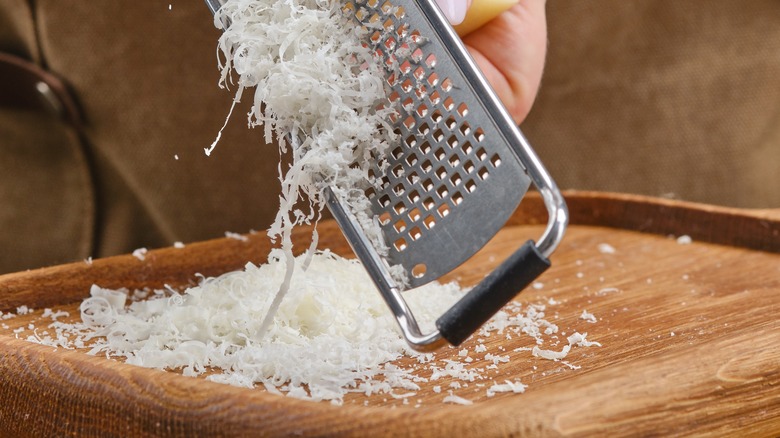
{"x":459,"y":170}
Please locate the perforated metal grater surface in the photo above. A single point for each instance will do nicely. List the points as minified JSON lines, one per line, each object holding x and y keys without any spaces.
{"x":452,"y":182}
{"x":458,"y":172}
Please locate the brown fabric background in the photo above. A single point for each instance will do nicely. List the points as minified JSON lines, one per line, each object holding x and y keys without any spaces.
{"x":663,"y":97}
{"x":646,"y":96}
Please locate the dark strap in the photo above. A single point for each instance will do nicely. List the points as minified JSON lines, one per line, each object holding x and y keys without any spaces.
{"x":24,"y":85}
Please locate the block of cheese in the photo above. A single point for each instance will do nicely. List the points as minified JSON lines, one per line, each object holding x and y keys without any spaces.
{"x":480,"y":12}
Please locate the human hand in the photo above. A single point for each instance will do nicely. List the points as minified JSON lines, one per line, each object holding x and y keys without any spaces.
{"x":509,"y":49}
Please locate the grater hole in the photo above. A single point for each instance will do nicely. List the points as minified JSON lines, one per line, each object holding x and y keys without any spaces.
{"x":446,"y":84}
{"x":414,"y":214}
{"x":389,"y":24}
{"x":411,"y":141}
{"x":425,"y":148}
{"x":451,"y":123}
{"x":387,"y":7}
{"x":441,"y":172}
{"x":470,"y":186}
{"x":414,"y":196}
{"x":440,"y":154}
{"x":417,"y":55}
{"x":374,"y":18}
{"x":433,"y":79}
{"x":457,"y":198}
{"x":428,"y":204}
{"x":468,"y":166}
{"x":424,"y":129}
{"x":372,"y":3}
{"x":402,"y":31}
{"x":399,"y":208}
{"x":483,"y":173}
{"x":429,"y":222}
{"x":481,"y":154}
{"x":408,"y":103}
{"x":436,"y":116}
{"x":479,"y":134}
{"x":443,"y":210}
{"x":449,"y":104}
{"x":413,"y":178}
{"x":438,"y":135}
{"x":390,"y":43}
{"x":361,"y":14}
{"x":370,"y":192}
{"x":435,"y":97}
{"x":416,"y":37}
{"x":426,"y":166}
{"x":419,"y":73}
{"x":389,"y":60}
{"x":399,"y":189}
{"x":463,"y":109}
{"x":391,"y":81}
{"x":427,"y":185}
{"x":465,"y":128}
{"x":400,"y":12}
{"x":400,"y":244}
{"x":399,"y":226}
{"x":421,"y":92}
{"x":442,"y":192}
{"x":405,"y":67}
{"x":394,"y":96}
{"x":384,"y":201}
{"x":456,"y":179}
{"x":398,"y":171}
{"x":422,"y":110}
{"x":430,"y":61}
{"x":415,"y":233}
{"x":397,"y":152}
{"x":454,"y":161}
{"x":409,"y":122}
{"x":384,"y":218}
{"x":467,"y":148}
{"x":419,"y":270}
{"x":411,"y":160}
{"x":407,"y":85}
{"x":495,"y":161}
{"x":452,"y":142}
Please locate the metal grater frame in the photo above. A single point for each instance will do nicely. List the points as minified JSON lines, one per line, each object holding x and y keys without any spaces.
{"x":458,"y":172}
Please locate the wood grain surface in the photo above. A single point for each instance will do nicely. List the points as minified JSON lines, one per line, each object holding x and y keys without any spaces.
{"x":689,"y":333}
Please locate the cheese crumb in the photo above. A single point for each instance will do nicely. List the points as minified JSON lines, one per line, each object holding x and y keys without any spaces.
{"x":684,"y":240}
{"x":589,"y":317}
{"x":606,"y":248}
{"x":140,"y":253}
{"x":454,"y":399}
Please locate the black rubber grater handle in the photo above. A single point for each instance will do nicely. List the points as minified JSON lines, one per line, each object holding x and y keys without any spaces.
{"x":492,"y":293}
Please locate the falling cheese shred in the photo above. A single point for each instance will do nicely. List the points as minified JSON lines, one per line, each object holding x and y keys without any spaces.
{"x":320,"y":93}
{"x":317,"y":90}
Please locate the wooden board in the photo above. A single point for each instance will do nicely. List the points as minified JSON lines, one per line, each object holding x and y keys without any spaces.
{"x":689,"y":333}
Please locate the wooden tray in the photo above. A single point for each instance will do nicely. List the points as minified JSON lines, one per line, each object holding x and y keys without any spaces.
{"x":691,"y":341}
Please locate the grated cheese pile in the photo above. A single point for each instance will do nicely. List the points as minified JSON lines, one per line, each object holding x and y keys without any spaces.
{"x":335,"y":335}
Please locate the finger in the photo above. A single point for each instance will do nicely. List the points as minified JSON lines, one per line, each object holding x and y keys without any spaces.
{"x":510,"y":51}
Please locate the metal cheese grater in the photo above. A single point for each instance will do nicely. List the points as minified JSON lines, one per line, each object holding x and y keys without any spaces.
{"x":458,"y":172}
